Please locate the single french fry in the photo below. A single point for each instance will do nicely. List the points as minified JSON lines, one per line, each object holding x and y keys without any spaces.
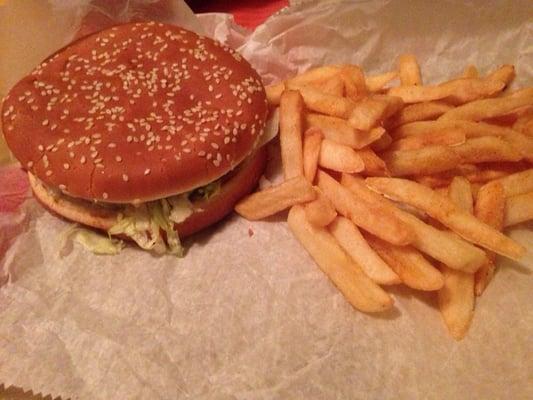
{"x":371,"y":111}
{"x":409,"y":70}
{"x":374,"y":166}
{"x":340,"y":131}
{"x":490,"y":209}
{"x":521,"y":143}
{"x":339,"y":157}
{"x":333,"y":86}
{"x":318,"y":101}
{"x":358,"y":249}
{"x":413,"y":269}
{"x":375,"y":217}
{"x":460,"y":192}
{"x":376,"y":83}
{"x":427,"y":110}
{"x":425,"y":161}
{"x":434,"y":159}
{"x":518,"y":209}
{"x":518,"y":183}
{"x":290,"y":136}
{"x":505,"y":74}
{"x":273,"y":93}
{"x":446,"y":212}
{"x":442,"y":246}
{"x":456,"y":303}
{"x":311,"y":151}
{"x":488,"y":108}
{"x":449,"y":137}
{"x":354,"y":81}
{"x":320,"y":212}
{"x":485,"y":149}
{"x":460,"y":90}
{"x":471,"y":129}
{"x":456,"y":298}
{"x":524,"y":122}
{"x":470,"y":72}
{"x":270,"y":201}
{"x":480,"y":173}
{"x":382,"y":143}
{"x":346,"y":274}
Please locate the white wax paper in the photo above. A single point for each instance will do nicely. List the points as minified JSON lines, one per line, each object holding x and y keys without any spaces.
{"x":252,"y":317}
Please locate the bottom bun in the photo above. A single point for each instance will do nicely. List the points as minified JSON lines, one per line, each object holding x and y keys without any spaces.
{"x":241,"y":182}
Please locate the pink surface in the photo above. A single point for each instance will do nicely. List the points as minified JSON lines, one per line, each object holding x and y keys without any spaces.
{"x":14,"y":187}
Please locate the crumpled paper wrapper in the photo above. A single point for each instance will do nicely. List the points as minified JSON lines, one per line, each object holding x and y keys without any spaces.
{"x":247,"y":314}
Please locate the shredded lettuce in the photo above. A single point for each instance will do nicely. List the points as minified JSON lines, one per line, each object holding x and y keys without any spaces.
{"x":180,"y":208}
{"x":92,"y":241}
{"x":144,"y":224}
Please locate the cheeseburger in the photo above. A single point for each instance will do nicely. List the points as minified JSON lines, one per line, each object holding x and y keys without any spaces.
{"x":146,"y":131}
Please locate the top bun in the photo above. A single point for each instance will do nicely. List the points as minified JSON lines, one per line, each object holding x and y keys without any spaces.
{"x":134,"y":113}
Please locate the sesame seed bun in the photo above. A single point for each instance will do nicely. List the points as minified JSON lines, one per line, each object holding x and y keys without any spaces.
{"x":241,"y":182}
{"x":134,"y":113}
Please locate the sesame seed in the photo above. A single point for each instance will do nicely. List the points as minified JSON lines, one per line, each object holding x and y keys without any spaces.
{"x":45,"y":122}
{"x":118,"y":158}
{"x":83,"y":159}
{"x":105,"y":195}
{"x":66,"y":166}
{"x":48,"y":173}
{"x":125,"y":177}
{"x":146,"y":171}
{"x":29,"y":164}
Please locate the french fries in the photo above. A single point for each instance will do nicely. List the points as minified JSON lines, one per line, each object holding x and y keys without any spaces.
{"x":333,"y":86}
{"x":433,"y":159}
{"x":290,"y":136}
{"x":460,"y":91}
{"x":345,"y":273}
{"x":505,"y":74}
{"x":339,"y":157}
{"x":518,"y":183}
{"x":411,"y":266}
{"x":447,"y":213}
{"x":490,"y":209}
{"x":442,"y":246}
{"x":419,"y":112}
{"x":354,"y":81}
{"x":453,"y":142}
{"x":340,"y":131}
{"x":487,"y":108}
{"x":372,"y":110}
{"x":270,"y":201}
{"x":456,"y":302}
{"x":480,"y":173}
{"x":320,"y":212}
{"x":375,"y":217}
{"x":374,"y":166}
{"x":376,"y":83}
{"x":353,"y":243}
{"x":470,"y":72}
{"x":471,"y":129}
{"x":316,"y":100}
{"x":518,"y":209}
{"x":445,"y":138}
{"x":456,"y":298}
{"x":311,"y":152}
{"x":409,"y":70}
